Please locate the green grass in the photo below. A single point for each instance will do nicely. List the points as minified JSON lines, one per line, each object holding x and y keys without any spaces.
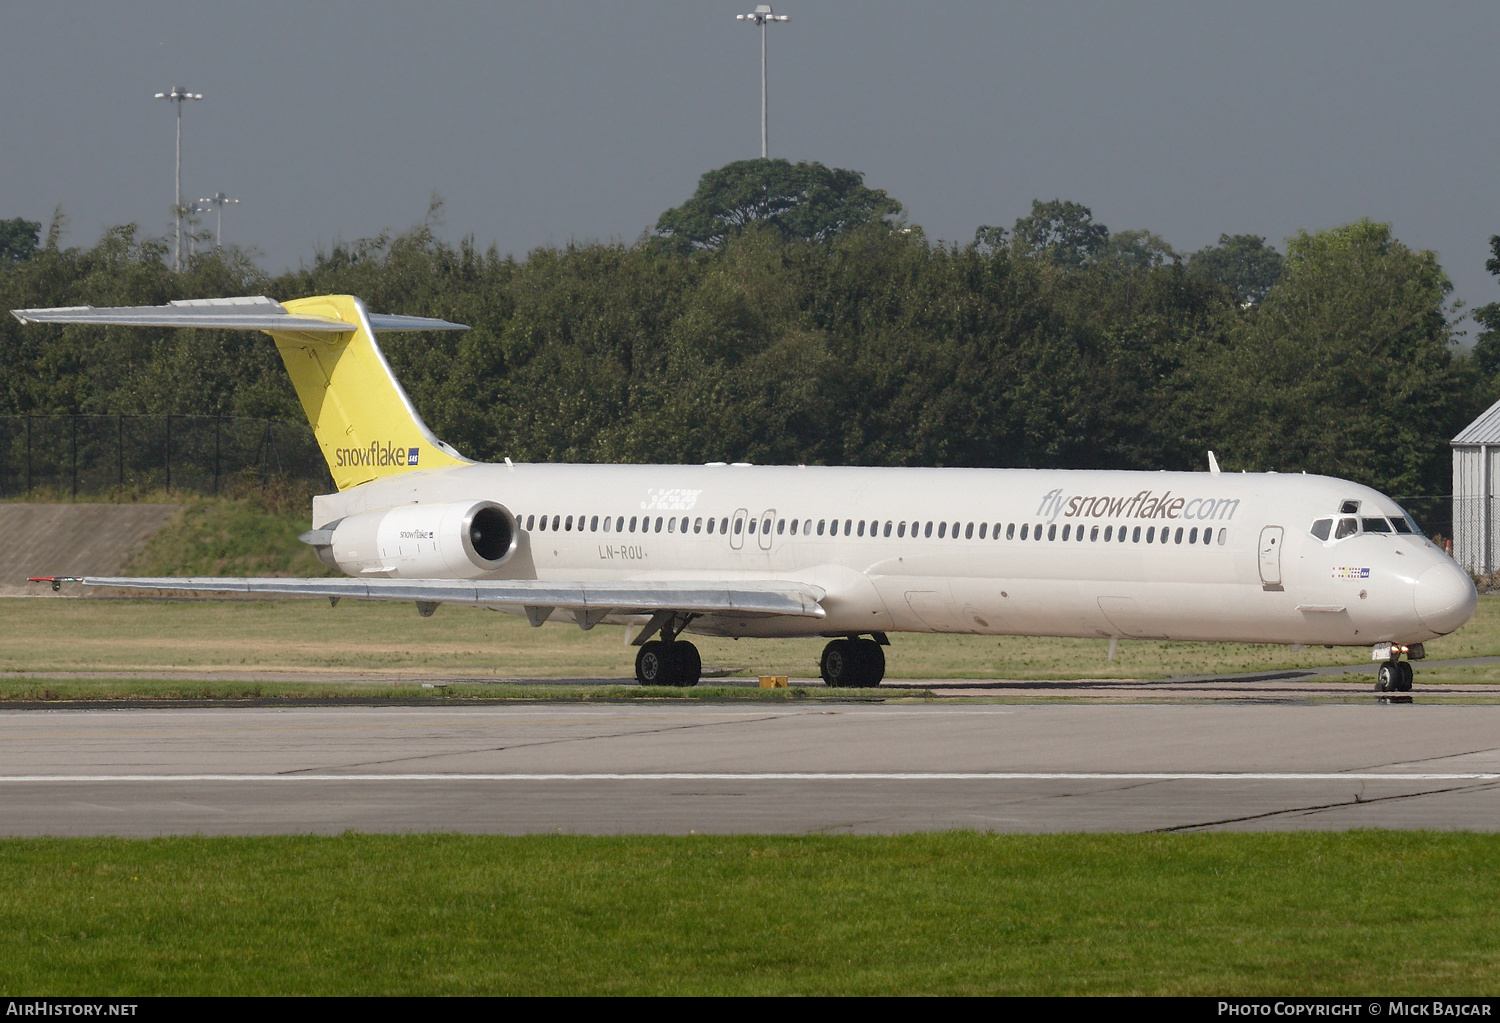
{"x":407,"y":692}
{"x":1408,"y":913}
{"x":123,"y":635}
{"x":252,"y":535}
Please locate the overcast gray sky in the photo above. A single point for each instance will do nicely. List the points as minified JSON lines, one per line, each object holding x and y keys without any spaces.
{"x":542,"y":123}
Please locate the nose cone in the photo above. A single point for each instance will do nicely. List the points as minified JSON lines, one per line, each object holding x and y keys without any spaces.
{"x":1445,"y":598}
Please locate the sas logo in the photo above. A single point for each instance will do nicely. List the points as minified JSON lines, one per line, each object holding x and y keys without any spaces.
{"x":1348,"y":572}
{"x":377,"y":454}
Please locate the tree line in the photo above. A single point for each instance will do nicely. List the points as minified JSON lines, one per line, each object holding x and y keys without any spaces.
{"x":786,"y":313}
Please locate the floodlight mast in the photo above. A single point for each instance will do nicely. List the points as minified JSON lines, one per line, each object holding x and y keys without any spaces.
{"x":177,"y":96}
{"x":760,"y":16}
{"x":216,"y":203}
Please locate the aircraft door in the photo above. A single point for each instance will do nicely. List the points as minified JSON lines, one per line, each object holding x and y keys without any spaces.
{"x":737,"y":526}
{"x":1270,"y":557}
{"x":767,"y":523}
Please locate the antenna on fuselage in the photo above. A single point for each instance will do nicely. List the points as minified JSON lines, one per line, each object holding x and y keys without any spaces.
{"x":1213,"y":464}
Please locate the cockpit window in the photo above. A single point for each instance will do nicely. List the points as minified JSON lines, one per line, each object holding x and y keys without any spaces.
{"x":1347,"y":527}
{"x":1349,"y":508}
{"x":1321,"y":528}
{"x":1377,"y":526}
{"x":1402,"y":525}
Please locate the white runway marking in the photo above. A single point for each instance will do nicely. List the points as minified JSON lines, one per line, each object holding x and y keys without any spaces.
{"x":34,"y":779}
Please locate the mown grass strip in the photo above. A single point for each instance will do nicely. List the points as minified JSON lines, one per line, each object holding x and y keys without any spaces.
{"x":147,"y":635}
{"x":1397,"y":913}
{"x":33,"y":691}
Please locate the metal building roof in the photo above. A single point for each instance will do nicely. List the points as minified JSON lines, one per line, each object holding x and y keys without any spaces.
{"x":1484,"y":430}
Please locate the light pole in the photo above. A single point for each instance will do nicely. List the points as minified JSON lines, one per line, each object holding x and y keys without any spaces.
{"x":760,"y":16}
{"x":216,"y":203}
{"x":178,"y":95}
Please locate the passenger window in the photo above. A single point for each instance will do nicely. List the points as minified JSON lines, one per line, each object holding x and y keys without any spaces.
{"x":955,"y":530}
{"x":1347,"y":527}
{"x":594,"y":524}
{"x":969,"y":531}
{"x":698,"y":525}
{"x":620,"y":524}
{"x":531,"y":522}
{"x":1066,"y":530}
{"x":739,"y":526}
{"x":847,"y":524}
{"x":608,"y":522}
{"x":1377,"y":526}
{"x":1135,"y":535}
{"x":658,"y":524}
{"x":806,"y":526}
{"x":1036,"y":534}
{"x":724,"y":524}
{"x":820,"y":527}
{"x":861,"y":527}
{"x":1107,"y":531}
{"x":632,"y":523}
{"x":927,"y":530}
{"x":942,"y":530}
{"x":780,"y":526}
{"x":833,"y":527}
{"x":1052,"y":532}
{"x":901,"y":528}
{"x":982,"y":527}
{"x":1322,"y":528}
{"x":711,"y":525}
{"x":1193,"y":536}
{"x":672,"y":525}
{"x":1093,"y":534}
{"x":1023,"y":531}
{"x":1010,"y":532}
{"x":1223,"y":537}
{"x":752,"y":526}
{"x":794,"y":527}
{"x":887,"y":529}
{"x":1178,"y":537}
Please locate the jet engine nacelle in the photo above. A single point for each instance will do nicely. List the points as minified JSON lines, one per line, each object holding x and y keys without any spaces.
{"x":464,"y":540}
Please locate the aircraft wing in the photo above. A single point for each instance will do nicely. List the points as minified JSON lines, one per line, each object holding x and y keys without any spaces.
{"x":594,"y":600}
{"x":257,"y":313}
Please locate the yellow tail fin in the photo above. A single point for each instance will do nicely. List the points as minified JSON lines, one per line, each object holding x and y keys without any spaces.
{"x":362,"y":418}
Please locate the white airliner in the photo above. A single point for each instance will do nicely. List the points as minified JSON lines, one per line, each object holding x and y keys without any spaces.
{"x":843,"y":553}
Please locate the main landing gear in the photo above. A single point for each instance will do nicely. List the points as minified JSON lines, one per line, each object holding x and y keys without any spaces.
{"x":676,"y":663}
{"x":855,"y":663}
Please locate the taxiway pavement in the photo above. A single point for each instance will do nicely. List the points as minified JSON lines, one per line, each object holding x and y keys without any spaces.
{"x":815,"y":767}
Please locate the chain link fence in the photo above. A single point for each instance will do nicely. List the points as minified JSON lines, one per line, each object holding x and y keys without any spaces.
{"x":83,"y":455}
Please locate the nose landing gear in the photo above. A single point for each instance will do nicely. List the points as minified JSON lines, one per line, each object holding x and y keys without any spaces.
{"x":1395,"y":675}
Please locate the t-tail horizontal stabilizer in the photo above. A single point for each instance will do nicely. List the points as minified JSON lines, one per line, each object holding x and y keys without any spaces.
{"x":363,"y":419}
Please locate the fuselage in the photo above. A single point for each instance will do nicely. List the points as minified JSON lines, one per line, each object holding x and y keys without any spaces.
{"x":1180,"y":556}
